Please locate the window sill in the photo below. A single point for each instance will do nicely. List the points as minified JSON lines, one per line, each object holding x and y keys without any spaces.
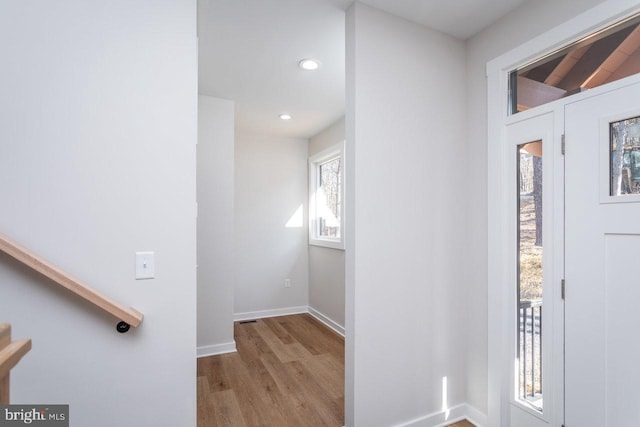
{"x":327,"y":244}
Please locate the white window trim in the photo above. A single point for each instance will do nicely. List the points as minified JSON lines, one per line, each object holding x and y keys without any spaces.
{"x":314,"y":161}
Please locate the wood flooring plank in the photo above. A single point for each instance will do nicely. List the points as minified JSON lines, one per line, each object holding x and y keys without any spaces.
{"x":278,"y":399}
{"x":288,"y":371}
{"x":299,"y":401}
{"x":332,"y":338}
{"x":211,"y":368}
{"x":314,"y":336}
{"x":205,"y":403}
{"x":255,"y":409}
{"x":319,"y":398}
{"x":284,"y":352}
{"x":281,"y":333}
{"x":463,"y":423}
{"x":307,"y":337}
{"x":227,"y":412}
{"x":249,"y":343}
{"x":328,"y":373}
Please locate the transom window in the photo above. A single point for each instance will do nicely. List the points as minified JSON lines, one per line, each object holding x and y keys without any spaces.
{"x":600,"y":58}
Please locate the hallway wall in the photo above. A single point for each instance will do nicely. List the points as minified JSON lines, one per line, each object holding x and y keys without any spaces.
{"x":326,"y":265}
{"x":216,"y":255}
{"x":270,"y":224}
{"x":405,"y":130}
{"x":98,"y":131}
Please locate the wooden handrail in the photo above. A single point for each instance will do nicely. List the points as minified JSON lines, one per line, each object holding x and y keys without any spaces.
{"x":10,"y":355}
{"x":128,"y":316}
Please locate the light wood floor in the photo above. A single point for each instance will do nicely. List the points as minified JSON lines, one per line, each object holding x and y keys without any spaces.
{"x":288,"y":371}
{"x":464,"y":423}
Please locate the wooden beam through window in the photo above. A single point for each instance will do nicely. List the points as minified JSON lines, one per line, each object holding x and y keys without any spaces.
{"x":614,"y":61}
{"x":532,"y":93}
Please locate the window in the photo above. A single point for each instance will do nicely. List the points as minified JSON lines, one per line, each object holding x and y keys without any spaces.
{"x":600,"y":58}
{"x":624,"y":143}
{"x":326,"y":201}
{"x":529,"y":285}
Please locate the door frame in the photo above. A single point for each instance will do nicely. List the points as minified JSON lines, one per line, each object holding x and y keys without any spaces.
{"x":543,"y":127}
{"x":501,"y":204}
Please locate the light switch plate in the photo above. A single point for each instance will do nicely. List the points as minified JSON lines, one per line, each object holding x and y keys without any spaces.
{"x":145,"y":265}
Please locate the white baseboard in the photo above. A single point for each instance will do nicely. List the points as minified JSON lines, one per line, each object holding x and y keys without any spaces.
{"x":230,"y":347}
{"x":327,"y":321}
{"x":444,"y":418}
{"x":251,"y":315}
{"x":212,"y":350}
{"x":477,"y":417}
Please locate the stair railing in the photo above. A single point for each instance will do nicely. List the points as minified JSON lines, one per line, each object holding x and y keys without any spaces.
{"x":128,"y":316}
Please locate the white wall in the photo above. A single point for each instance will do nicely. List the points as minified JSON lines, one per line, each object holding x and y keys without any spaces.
{"x":530,"y":20}
{"x":332,"y":135}
{"x":215,"y":225}
{"x":326,"y":265}
{"x":271,"y":232}
{"x":97,"y":142}
{"x":406,"y":328}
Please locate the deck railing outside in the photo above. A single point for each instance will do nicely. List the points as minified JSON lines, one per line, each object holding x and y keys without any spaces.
{"x":530,"y":352}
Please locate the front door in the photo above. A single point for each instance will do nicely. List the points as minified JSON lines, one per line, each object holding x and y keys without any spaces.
{"x":602,"y":270}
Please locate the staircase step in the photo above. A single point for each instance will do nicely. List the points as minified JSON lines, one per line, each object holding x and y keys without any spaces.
{"x":11,"y":355}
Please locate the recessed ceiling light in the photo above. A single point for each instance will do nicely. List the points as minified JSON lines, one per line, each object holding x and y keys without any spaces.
{"x":309,"y":64}
{"x":285,"y":116}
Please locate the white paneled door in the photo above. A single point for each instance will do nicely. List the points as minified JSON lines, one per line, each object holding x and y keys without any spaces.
{"x":602,"y":270}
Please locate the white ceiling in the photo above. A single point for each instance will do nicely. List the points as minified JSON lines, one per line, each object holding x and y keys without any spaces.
{"x":459,"y":18}
{"x":249,"y":50}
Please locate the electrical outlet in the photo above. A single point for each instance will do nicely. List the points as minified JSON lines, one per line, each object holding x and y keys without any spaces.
{"x":287,"y":283}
